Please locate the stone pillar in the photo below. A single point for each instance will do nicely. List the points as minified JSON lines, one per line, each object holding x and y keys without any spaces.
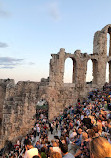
{"x":81,"y":68}
{"x":57,"y":68}
{"x":74,"y":71}
{"x":101,"y":71}
{"x":100,"y":43}
{"x":100,"y":49}
{"x":81,"y":73}
{"x":95,"y":71}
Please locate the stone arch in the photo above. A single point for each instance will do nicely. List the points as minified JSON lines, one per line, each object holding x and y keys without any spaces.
{"x":73,"y":69}
{"x":101,"y":40}
{"x":108,"y":32}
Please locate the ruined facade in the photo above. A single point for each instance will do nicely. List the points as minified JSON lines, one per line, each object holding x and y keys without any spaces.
{"x":18,"y":101}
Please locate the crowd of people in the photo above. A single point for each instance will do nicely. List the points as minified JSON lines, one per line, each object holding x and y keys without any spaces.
{"x":80,"y":131}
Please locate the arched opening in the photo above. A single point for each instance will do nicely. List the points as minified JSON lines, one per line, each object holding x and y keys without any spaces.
{"x":42,"y":108}
{"x":70,"y":71}
{"x":109,"y":42}
{"x":89,"y":76}
{"x":107,"y":73}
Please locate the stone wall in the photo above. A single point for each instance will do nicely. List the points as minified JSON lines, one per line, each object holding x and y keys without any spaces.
{"x":19,"y":108}
{"x":18,"y":101}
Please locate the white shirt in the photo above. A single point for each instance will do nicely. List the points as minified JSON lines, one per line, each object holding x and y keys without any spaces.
{"x":72,"y":135}
{"x":31,"y":152}
{"x":38,"y":129}
{"x":56,"y":149}
{"x":82,"y":116}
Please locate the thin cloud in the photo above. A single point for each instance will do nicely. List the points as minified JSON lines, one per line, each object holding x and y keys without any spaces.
{"x":6,"y":67}
{"x":3,"y":45}
{"x":3,"y":13}
{"x":9,"y":63}
{"x":31,"y":63}
{"x":54,"y":11}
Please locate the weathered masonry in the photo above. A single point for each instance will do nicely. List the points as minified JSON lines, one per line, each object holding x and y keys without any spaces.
{"x":18,"y":101}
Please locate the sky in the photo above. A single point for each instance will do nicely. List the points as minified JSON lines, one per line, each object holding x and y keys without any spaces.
{"x":32,"y":30}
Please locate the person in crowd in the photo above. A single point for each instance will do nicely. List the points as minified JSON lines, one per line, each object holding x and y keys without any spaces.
{"x":38,"y":145}
{"x":87,"y":121}
{"x":43,"y":153}
{"x":55,"y":155}
{"x":100,"y":148}
{"x":65,"y":153}
{"x":55,"y":147}
{"x":77,"y":142}
{"x":84,"y":148}
{"x":91,"y":134}
{"x":73,"y":135}
{"x":30,"y":150}
{"x":26,"y":140}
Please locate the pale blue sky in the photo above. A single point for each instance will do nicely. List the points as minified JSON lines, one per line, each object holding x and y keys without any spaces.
{"x":30,"y":30}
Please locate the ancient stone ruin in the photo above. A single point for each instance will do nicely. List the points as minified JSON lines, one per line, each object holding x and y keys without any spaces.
{"x":18,"y":101}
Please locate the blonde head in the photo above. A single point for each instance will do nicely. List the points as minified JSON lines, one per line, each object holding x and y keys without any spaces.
{"x":100,"y":148}
{"x":55,"y":144}
{"x":55,"y":155}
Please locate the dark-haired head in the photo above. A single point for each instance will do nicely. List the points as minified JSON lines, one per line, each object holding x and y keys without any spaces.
{"x":64,"y":148}
{"x":36,"y":156}
{"x":28,"y":142}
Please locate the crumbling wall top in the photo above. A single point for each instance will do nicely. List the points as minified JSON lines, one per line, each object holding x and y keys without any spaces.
{"x":105,"y":29}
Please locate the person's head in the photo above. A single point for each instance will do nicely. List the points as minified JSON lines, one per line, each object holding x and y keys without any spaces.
{"x":64,"y":148}
{"x":84,"y":136}
{"x":79,"y":130}
{"x":37,"y":142}
{"x":48,"y":142}
{"x":99,"y":127}
{"x":95,"y":128}
{"x":100,"y":148}
{"x":42,"y":149}
{"x":91,"y":133}
{"x":55,"y":155}
{"x":52,"y":141}
{"x":74,"y":130}
{"x":26,"y":137}
{"x":54,"y":144}
{"x":28,"y":144}
{"x":36,"y":156}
